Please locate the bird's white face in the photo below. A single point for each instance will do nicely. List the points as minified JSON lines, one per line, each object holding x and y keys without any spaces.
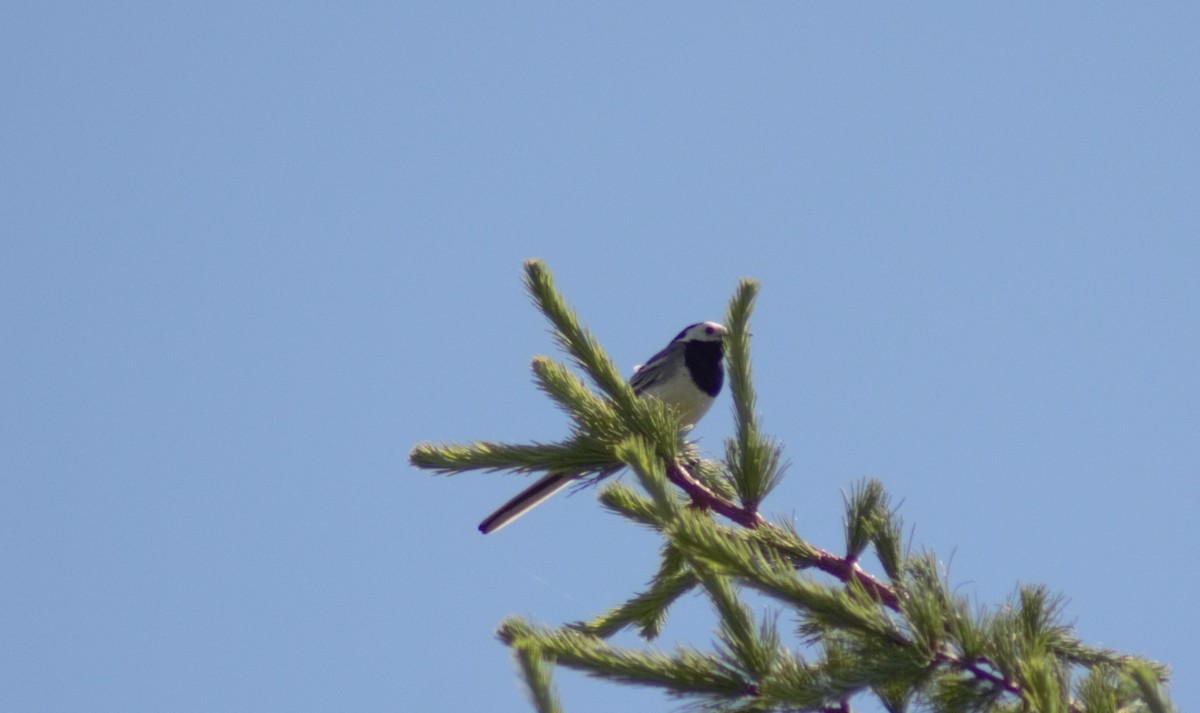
{"x":702,"y":332}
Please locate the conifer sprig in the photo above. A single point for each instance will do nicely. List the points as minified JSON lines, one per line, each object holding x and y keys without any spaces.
{"x":535,"y":668}
{"x":909,"y":641}
{"x":650,"y":418}
{"x":754,"y":460}
{"x":647,"y":611}
{"x":686,"y":673}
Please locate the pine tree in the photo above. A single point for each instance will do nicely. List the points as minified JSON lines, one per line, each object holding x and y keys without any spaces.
{"x":906,"y":638}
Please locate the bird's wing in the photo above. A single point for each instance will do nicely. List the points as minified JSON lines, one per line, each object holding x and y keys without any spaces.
{"x":660,"y":367}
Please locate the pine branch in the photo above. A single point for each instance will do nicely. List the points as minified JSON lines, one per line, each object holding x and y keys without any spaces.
{"x":647,"y":417}
{"x":754,"y":461}
{"x":574,"y":338}
{"x":647,"y":610}
{"x":755,"y":650}
{"x":687,"y":672}
{"x":844,"y":569}
{"x":536,"y":674}
{"x":581,"y":455}
{"x":622,"y":500}
{"x":705,"y":499}
{"x":908,"y":641}
{"x":591,"y":413}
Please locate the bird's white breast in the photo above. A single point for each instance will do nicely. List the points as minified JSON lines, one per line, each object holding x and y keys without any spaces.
{"x":679,"y":391}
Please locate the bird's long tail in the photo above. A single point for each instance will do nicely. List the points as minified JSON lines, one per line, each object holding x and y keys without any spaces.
{"x":526,"y":500}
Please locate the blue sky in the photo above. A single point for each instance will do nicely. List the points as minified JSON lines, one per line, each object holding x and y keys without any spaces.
{"x":253,"y":253}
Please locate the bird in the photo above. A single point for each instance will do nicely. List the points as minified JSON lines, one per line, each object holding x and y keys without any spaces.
{"x":688,"y":374}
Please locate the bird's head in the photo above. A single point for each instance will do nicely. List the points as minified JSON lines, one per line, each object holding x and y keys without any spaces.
{"x":702,"y":332}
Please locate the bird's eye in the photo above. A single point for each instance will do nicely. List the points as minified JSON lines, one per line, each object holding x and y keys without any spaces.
{"x":708,"y":330}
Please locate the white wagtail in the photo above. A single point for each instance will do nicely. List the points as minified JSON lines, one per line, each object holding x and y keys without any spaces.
{"x":687,"y":374}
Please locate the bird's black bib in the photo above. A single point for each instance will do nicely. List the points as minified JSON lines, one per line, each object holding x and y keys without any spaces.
{"x":704,"y":361}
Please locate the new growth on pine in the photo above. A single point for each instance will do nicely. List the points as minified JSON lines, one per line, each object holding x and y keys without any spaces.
{"x":904,"y":639}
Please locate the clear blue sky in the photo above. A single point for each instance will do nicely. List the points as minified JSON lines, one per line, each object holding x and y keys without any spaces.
{"x":253,"y":253}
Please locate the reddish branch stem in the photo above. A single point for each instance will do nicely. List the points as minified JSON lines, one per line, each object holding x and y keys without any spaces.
{"x":842,"y":568}
{"x":706,"y":499}
{"x":827,"y":562}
